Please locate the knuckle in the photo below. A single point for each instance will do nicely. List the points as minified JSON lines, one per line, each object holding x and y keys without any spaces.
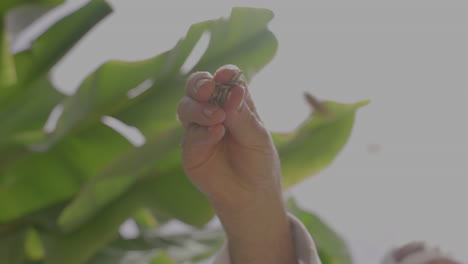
{"x":181,"y":107}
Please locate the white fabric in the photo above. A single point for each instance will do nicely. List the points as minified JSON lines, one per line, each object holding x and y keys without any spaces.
{"x":305,"y":247}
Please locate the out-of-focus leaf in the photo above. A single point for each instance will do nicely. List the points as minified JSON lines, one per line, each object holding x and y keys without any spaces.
{"x":145,"y":219}
{"x":162,"y":258}
{"x":332,"y":248}
{"x":111,"y":255}
{"x":42,"y":179}
{"x":316,"y":143}
{"x":7,"y":4}
{"x":190,"y":206}
{"x":20,"y":18}
{"x":243,"y":40}
{"x":23,"y":122}
{"x":51,"y":46}
{"x":186,"y":247}
{"x":7,"y":64}
{"x":162,"y":152}
{"x":23,"y":188}
{"x":85,"y":241}
{"x":24,"y":108}
{"x":11,"y":247}
{"x":33,"y":246}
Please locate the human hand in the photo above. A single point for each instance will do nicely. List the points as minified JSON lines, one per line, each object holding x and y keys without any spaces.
{"x":229,"y":155}
{"x":227,"y":152}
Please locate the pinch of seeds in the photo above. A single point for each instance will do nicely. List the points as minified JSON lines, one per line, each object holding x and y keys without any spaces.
{"x":223,"y":90}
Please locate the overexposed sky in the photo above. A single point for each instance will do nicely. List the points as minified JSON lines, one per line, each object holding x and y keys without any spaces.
{"x":409,"y":57}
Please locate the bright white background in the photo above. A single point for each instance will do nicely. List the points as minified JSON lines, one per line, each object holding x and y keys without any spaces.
{"x":402,"y":176}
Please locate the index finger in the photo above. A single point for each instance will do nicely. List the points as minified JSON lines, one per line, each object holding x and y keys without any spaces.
{"x":200,"y":86}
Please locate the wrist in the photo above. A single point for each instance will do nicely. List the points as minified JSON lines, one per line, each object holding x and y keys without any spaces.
{"x":253,"y":218}
{"x":259,"y":232}
{"x":248,"y":203}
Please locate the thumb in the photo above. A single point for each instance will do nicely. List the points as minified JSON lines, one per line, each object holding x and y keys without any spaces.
{"x":243,"y":123}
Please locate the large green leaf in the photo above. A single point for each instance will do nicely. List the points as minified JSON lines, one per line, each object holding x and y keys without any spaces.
{"x":23,"y":121}
{"x":25,"y":106}
{"x":51,"y":46}
{"x":316,"y":143}
{"x":173,"y":195}
{"x":85,"y":241}
{"x":7,"y":4}
{"x":78,"y":246}
{"x":161,"y":152}
{"x":42,"y":179}
{"x":331,"y":247}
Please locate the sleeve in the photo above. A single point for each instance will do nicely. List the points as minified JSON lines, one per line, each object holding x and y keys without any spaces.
{"x":303,"y":243}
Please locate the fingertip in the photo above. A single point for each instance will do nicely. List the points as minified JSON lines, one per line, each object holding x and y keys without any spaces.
{"x":225,"y":73}
{"x":235,"y":99}
{"x":199,"y":84}
{"x":204,"y":92}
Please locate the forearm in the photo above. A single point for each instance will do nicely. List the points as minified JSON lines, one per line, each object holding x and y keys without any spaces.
{"x":258,"y":232}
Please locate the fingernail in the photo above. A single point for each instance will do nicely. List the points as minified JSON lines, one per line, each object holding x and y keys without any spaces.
{"x":229,"y":67}
{"x":208,"y":112}
{"x":199,"y":84}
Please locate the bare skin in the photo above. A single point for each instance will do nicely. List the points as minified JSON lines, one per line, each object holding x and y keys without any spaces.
{"x":229,"y":155}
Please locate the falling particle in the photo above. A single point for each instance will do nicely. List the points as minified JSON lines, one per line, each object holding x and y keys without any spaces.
{"x":374,"y":148}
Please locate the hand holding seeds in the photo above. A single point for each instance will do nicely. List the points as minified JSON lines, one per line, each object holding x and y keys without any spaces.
{"x":230,"y":156}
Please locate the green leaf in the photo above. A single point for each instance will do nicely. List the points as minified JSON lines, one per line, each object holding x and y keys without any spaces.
{"x":7,"y":64}
{"x":11,"y":247}
{"x":332,"y":248}
{"x":7,"y":4}
{"x":23,"y":121}
{"x":171,"y":192}
{"x":85,"y":241}
{"x":39,"y":180}
{"x":51,"y":46}
{"x":191,"y":246}
{"x":33,"y":246}
{"x":24,"y":108}
{"x":243,"y":40}
{"x":162,"y":258}
{"x":111,"y":255}
{"x":316,"y":143}
{"x":160,"y":153}
{"x":145,"y":219}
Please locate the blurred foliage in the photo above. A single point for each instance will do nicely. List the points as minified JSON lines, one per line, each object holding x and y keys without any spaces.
{"x":331,"y":247}
{"x":64,"y":193}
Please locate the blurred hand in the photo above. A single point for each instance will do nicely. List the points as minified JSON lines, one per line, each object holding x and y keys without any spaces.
{"x":417,"y":252}
{"x":230,"y":156}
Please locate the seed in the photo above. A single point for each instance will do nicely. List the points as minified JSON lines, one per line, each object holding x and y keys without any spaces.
{"x":222,"y":90}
